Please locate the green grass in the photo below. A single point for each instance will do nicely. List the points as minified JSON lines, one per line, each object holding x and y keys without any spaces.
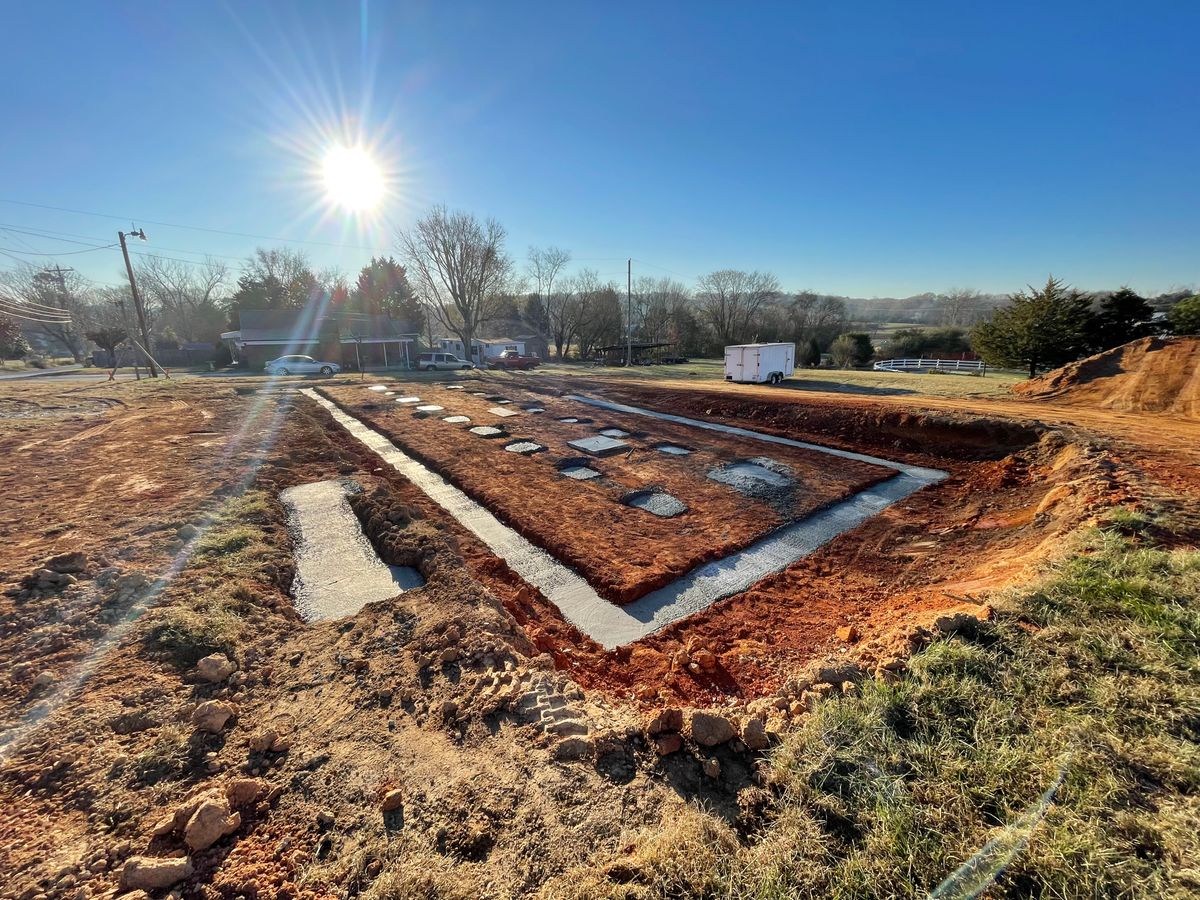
{"x":850,"y":381}
{"x":210,"y":614}
{"x":1086,"y":689}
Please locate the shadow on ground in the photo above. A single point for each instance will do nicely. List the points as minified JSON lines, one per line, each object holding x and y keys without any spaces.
{"x":834,"y":387}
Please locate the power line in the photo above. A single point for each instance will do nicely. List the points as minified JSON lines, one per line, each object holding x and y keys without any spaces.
{"x":33,"y":305}
{"x":245,"y":234}
{"x":55,"y":236}
{"x":58,"y":253}
{"x":12,"y":311}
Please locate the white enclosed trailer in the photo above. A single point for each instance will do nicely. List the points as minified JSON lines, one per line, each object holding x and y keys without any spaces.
{"x":759,"y":363}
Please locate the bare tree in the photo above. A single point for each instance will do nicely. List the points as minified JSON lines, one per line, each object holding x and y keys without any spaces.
{"x":59,"y":290}
{"x":562,"y":312}
{"x":960,"y":307}
{"x":729,"y":300}
{"x":661,"y":305}
{"x":598,"y":317}
{"x":460,"y":265}
{"x":544,"y":266}
{"x":817,"y":316}
{"x":188,"y":298}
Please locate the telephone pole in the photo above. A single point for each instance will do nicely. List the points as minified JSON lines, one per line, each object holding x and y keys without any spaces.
{"x":137,"y":371}
{"x":629,"y":312}
{"x":137,"y":301}
{"x":60,"y":275}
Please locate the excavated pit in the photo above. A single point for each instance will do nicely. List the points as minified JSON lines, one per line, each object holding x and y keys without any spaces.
{"x":579,"y":473}
{"x":894,"y":550}
{"x":524,"y":447}
{"x":691,"y":590}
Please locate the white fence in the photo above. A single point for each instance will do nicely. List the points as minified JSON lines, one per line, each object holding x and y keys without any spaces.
{"x":952,"y":366}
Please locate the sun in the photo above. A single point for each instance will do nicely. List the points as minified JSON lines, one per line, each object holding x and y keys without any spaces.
{"x":353,"y":180}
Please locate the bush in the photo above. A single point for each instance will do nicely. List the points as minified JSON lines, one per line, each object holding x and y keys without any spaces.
{"x":915,"y":343}
{"x":853,"y":349}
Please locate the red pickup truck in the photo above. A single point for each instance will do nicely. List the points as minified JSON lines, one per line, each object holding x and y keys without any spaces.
{"x":511,"y":359}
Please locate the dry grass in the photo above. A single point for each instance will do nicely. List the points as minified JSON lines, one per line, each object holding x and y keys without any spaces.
{"x":209,"y":610}
{"x":844,"y":381}
{"x":1086,"y":689}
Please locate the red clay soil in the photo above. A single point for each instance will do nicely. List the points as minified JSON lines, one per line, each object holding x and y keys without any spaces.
{"x":622,"y":551}
{"x":988,"y":524}
{"x":1154,"y":374}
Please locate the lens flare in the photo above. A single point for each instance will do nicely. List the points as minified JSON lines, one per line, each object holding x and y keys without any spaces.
{"x":353,"y":180}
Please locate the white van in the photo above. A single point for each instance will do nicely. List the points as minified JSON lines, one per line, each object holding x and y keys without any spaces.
{"x":435,"y":360}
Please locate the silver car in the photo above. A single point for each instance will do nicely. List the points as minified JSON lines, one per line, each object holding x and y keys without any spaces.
{"x":438,"y":360}
{"x":301,"y":365}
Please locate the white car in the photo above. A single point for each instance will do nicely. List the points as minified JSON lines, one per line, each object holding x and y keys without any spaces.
{"x":301,"y":365}
{"x":431,"y":361}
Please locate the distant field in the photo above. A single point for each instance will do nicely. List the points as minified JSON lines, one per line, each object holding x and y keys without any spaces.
{"x":838,"y":380}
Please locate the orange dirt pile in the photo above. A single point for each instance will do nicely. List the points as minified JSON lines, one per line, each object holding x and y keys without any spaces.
{"x":1156,"y":375}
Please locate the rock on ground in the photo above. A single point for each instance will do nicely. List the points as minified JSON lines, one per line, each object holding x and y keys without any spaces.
{"x":148,"y":873}
{"x":392,"y":800}
{"x":216,"y":667}
{"x":667,"y":719}
{"x":754,"y":734}
{"x":211,"y":821}
{"x":710,"y":729}
{"x":212,"y":715}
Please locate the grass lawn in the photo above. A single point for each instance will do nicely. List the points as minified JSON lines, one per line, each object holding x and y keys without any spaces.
{"x":20,"y":365}
{"x":851,"y":381}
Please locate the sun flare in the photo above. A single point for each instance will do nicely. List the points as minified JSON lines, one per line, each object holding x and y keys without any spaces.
{"x":353,"y":180}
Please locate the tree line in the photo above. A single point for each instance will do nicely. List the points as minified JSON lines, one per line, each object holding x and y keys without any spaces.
{"x":453,"y":274}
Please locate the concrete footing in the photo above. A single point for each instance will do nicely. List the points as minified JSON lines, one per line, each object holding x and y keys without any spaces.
{"x":612,"y":625}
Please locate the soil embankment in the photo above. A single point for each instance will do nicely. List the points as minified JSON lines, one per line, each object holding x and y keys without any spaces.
{"x":1154,"y":375}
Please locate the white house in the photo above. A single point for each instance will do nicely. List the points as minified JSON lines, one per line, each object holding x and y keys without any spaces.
{"x":483,"y":348}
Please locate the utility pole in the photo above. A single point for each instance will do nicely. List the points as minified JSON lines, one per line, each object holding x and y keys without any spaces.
{"x":629,"y":312}
{"x":60,"y":275}
{"x":137,"y":302}
{"x":137,"y":371}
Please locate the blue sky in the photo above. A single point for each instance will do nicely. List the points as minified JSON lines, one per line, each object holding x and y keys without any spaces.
{"x":871,"y":149}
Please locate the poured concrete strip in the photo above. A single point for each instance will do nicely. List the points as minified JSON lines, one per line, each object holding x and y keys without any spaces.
{"x":337,"y":569}
{"x":701,"y":587}
{"x":928,"y":475}
{"x":606,"y":623}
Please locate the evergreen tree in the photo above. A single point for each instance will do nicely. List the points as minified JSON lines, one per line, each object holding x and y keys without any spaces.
{"x":1122,"y":317}
{"x":1046,"y":327}
{"x":811,"y":354}
{"x":1185,"y":316}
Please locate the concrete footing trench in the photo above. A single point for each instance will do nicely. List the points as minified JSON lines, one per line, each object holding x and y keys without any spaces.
{"x":605,"y":622}
{"x":337,"y":569}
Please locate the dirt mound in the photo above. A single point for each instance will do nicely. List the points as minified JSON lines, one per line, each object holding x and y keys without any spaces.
{"x":1160,"y":375}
